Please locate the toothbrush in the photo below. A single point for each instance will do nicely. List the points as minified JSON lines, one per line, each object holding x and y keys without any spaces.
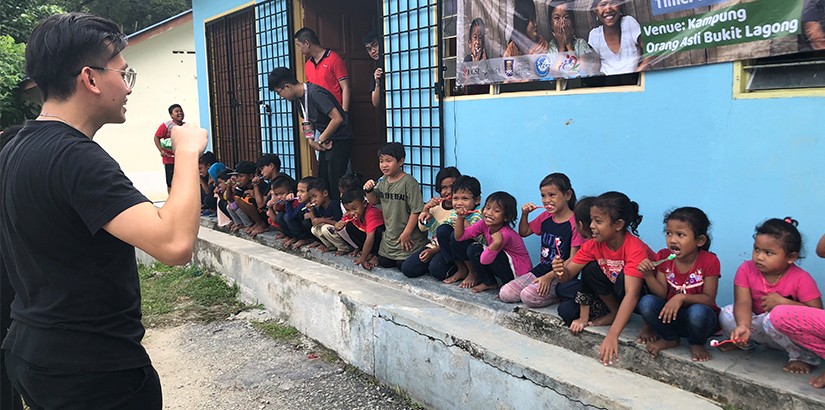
{"x":717,"y":343}
{"x":558,"y":249}
{"x":670,"y":257}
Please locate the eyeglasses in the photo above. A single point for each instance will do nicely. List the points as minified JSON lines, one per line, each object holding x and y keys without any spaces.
{"x":129,"y":75}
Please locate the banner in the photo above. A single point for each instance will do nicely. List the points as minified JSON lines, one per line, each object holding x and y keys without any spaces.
{"x":504,"y":41}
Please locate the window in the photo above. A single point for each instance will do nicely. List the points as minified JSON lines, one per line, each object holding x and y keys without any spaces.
{"x":781,"y":76}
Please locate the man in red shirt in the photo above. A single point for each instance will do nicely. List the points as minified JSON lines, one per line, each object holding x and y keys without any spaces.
{"x":165,"y":131}
{"x":323,"y":66}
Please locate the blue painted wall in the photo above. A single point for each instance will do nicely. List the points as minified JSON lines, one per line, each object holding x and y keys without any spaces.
{"x":683,"y":141}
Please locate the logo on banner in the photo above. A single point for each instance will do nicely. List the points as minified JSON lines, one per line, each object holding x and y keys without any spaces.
{"x":569,"y":64}
{"x":508,"y":67}
{"x":543,"y":65}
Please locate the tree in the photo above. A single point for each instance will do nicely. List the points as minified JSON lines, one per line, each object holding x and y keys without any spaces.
{"x":132,"y":15}
{"x":12,"y":61}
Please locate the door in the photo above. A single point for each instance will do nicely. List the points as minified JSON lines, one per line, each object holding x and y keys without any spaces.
{"x":341,"y":26}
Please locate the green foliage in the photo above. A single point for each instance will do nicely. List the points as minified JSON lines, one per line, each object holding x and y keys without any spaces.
{"x":277,"y":331}
{"x":132,"y":15}
{"x":12,"y":71}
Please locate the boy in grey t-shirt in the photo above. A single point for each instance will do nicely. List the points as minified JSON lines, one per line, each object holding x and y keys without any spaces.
{"x":400,"y":197}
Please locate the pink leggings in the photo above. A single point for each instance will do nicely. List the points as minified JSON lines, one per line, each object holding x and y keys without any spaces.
{"x":522,"y":289}
{"x":805,"y":326}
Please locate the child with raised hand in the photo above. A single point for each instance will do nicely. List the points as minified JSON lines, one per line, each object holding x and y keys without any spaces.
{"x":349,"y":182}
{"x":505,"y":257}
{"x":365,"y":227}
{"x":297,"y":218}
{"x":559,"y":239}
{"x":770,"y":279}
{"x":437,"y":211}
{"x":400,"y":197}
{"x":454,"y":263}
{"x":325,"y":212}
{"x":804,"y":325}
{"x":282,"y":195}
{"x":618,"y":251}
{"x":682,"y":284}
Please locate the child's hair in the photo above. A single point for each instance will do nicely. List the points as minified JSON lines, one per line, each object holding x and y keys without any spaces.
{"x":618,"y":206}
{"x":207,"y":158}
{"x":444,"y":173}
{"x":280,"y":77}
{"x":283,"y":181}
{"x":267,"y":159}
{"x":582,"y":210}
{"x":393,"y":149}
{"x":307,"y":181}
{"x":318,"y":184}
{"x":350,"y":181}
{"x":784,"y":231}
{"x":696,"y":218}
{"x":508,"y":206}
{"x":352,"y":195}
{"x":467,"y":183}
{"x":172,"y":108}
{"x":477,"y":22}
{"x":524,"y":11}
{"x":562,"y":182}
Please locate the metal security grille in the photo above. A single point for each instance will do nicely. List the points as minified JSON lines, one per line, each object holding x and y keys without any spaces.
{"x":277,"y":117}
{"x":233,"y":86}
{"x":414,"y":85}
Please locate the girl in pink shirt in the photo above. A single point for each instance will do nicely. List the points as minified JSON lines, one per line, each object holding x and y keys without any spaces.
{"x":505,"y":256}
{"x":770,"y":279}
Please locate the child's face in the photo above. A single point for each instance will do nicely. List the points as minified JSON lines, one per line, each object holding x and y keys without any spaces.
{"x":268,"y":171}
{"x":584,"y":230}
{"x":608,"y":12}
{"x":244,"y":179}
{"x":177,"y":114}
{"x":356,"y":209}
{"x":222,"y":185}
{"x":602,"y":227}
{"x":532,"y":30}
{"x":280,"y":193}
{"x":553,"y":199}
{"x":319,"y":198}
{"x":203,"y":170}
{"x":389,"y":165}
{"x":681,"y":240}
{"x":561,"y":22}
{"x":302,"y":193}
{"x":463,"y":200}
{"x":447,"y":192}
{"x":769,"y":255}
{"x":477,"y":40}
{"x":493,"y":214}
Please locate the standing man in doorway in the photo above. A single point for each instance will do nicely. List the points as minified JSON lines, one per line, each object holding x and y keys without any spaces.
{"x":324,"y":67}
{"x":68,"y":247}
{"x":371,"y":44}
{"x":319,"y":107}
{"x":164,"y":132}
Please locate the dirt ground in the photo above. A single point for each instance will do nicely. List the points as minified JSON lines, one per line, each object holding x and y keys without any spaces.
{"x":231,"y":365}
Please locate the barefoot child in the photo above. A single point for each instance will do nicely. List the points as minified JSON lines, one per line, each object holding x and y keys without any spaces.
{"x":770,"y":279}
{"x":325,"y":212}
{"x":505,"y":257}
{"x":466,"y":205}
{"x":365,"y":227}
{"x":435,"y":213}
{"x":559,"y":239}
{"x":618,"y":252}
{"x":349,"y":182}
{"x":804,"y":325}
{"x":282,"y":195}
{"x":297,"y":217}
{"x":682,"y":299}
{"x":400,"y":197}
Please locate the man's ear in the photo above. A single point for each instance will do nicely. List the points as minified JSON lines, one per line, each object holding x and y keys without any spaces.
{"x":87,"y":78}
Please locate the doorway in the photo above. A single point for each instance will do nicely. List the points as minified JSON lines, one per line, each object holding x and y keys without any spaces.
{"x":341,"y":26}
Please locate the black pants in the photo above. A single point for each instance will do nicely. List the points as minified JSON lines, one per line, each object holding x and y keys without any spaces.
{"x":359,"y":237}
{"x":569,"y":309}
{"x":44,"y":388}
{"x":170,"y":172}
{"x":500,"y":270}
{"x":332,"y":165}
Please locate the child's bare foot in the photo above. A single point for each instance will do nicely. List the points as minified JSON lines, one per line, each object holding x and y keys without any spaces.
{"x":322,"y":248}
{"x":455,"y":277}
{"x":258,"y":229}
{"x":313,"y":244}
{"x":355,"y":253}
{"x":340,"y":252}
{"x":656,"y":346}
{"x":797,"y":367}
{"x":646,"y":335}
{"x":469,"y":281}
{"x":605,"y":320}
{"x":289,"y":241}
{"x":482,"y":287}
{"x":818,"y":382}
{"x":234,"y":228}
{"x":300,"y":242}
{"x":578,"y":325}
{"x":698,"y":353}
{"x":279,"y":236}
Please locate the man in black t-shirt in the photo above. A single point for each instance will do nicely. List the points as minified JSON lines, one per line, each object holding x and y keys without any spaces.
{"x":321,"y":109}
{"x":372,"y":46}
{"x":68,"y":247}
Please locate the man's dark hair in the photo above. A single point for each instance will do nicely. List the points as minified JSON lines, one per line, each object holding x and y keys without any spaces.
{"x":318,"y":184}
{"x":65,"y":43}
{"x":306,"y":34}
{"x":352,"y":195}
{"x":371,"y":36}
{"x":267,"y":159}
{"x":172,"y":108}
{"x":280,"y":77}
{"x":207,"y":158}
{"x":393,"y":149}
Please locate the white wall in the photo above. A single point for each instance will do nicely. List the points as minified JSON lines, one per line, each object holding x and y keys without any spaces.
{"x":164,"y":78}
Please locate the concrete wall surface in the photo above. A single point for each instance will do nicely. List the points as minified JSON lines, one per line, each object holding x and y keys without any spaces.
{"x":441,"y":357}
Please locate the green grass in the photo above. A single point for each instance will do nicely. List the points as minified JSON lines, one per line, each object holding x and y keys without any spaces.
{"x":172,"y":295}
{"x":277,"y":331}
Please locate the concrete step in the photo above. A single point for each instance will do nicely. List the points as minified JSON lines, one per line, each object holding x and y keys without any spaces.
{"x":742,"y":379}
{"x":442,"y":356}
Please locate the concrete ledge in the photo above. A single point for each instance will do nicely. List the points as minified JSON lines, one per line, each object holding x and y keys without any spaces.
{"x":440,"y":355}
{"x":743,"y":379}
